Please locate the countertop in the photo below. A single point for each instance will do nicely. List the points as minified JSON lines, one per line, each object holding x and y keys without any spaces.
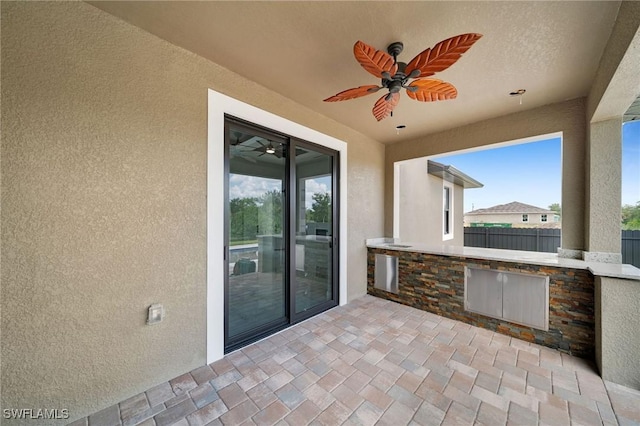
{"x":611,"y":270}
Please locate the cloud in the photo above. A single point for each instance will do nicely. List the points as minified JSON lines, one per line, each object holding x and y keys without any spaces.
{"x":243,"y":186}
{"x":314,"y":186}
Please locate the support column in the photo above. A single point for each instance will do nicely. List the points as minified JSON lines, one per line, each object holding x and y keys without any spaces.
{"x":617,"y":304}
{"x":603,"y":198}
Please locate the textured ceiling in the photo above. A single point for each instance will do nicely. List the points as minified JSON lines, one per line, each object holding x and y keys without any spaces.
{"x":304,"y":51}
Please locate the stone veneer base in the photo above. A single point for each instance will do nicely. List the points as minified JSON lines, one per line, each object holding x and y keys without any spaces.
{"x":435,"y":284}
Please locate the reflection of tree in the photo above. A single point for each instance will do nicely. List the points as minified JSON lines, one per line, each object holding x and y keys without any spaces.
{"x":270,"y":213}
{"x":252,"y":216}
{"x":320,"y":209}
{"x":244,"y":218}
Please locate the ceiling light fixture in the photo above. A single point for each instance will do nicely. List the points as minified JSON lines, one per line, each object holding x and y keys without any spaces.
{"x":400,"y":127}
{"x":270,"y":149}
{"x":518,"y":93}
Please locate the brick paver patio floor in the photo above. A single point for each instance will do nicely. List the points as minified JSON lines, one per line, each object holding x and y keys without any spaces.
{"x":378,"y":362}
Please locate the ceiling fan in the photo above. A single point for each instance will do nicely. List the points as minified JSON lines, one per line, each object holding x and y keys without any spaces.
{"x":398,"y":75}
{"x":269,"y":149}
{"x":263,"y":149}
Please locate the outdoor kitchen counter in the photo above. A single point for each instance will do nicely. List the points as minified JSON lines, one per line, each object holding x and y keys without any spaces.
{"x":611,"y":270}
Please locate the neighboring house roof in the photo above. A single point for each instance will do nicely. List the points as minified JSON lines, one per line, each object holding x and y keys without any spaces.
{"x":511,"y":208}
{"x":453,"y":175}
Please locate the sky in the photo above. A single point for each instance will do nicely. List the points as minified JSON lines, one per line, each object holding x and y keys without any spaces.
{"x":531,"y":172}
{"x":241,"y":186}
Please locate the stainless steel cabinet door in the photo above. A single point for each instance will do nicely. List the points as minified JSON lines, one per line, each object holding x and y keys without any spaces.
{"x":483,"y":291}
{"x":526,"y":300}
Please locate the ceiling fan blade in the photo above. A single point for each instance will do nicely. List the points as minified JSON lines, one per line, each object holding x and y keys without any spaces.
{"x":431,"y":89}
{"x":442,"y":55}
{"x":353,"y":93}
{"x":373,"y":60}
{"x":385,"y":105}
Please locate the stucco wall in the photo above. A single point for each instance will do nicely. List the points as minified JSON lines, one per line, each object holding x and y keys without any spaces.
{"x":566,"y":117}
{"x":104,"y":143}
{"x":617,"y":324}
{"x":604,"y":198}
{"x":415,"y":202}
{"x":421,"y":209}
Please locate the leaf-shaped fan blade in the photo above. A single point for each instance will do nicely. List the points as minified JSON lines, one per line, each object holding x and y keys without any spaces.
{"x":431,"y":89}
{"x":374,"y":61}
{"x":383,"y":107}
{"x":443,"y":55}
{"x":353,"y":93}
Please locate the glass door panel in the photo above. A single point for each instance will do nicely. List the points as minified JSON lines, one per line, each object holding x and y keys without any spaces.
{"x":256,"y":292}
{"x":314,"y":229}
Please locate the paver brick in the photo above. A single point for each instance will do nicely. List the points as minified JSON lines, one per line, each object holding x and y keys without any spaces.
{"x":134,"y":406}
{"x":272,"y":414}
{"x":377,"y":361}
{"x":232,"y":395}
{"x":175,"y":413}
{"x":110,"y":416}
{"x":203,"y":374}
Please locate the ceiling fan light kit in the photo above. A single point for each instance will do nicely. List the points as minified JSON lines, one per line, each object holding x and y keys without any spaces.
{"x":396,"y":75}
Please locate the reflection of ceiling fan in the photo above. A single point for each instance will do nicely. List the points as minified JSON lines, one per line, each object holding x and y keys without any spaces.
{"x":236,"y":148}
{"x":396,"y":75}
{"x":269,"y":149}
{"x":263,"y":149}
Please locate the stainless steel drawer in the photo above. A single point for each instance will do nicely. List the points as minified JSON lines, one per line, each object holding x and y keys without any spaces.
{"x":386,"y":273}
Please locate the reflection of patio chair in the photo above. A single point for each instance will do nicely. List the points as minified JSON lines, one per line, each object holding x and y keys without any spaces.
{"x":244,"y":266}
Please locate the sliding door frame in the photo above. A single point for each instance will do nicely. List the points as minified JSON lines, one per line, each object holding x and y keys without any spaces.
{"x":219,"y":104}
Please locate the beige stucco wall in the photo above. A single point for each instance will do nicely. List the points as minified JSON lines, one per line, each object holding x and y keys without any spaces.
{"x":617,"y":304}
{"x":420,"y":206}
{"x":566,"y":117}
{"x":104,"y":144}
{"x":604,"y":180}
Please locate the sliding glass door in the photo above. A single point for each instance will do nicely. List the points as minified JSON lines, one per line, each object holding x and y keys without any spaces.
{"x":314,"y":229}
{"x":256,"y":291}
{"x":280,"y":246}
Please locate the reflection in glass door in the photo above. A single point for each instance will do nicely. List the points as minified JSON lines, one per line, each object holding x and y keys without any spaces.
{"x":256,"y":292}
{"x":314,"y":229}
{"x":281,"y":232}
